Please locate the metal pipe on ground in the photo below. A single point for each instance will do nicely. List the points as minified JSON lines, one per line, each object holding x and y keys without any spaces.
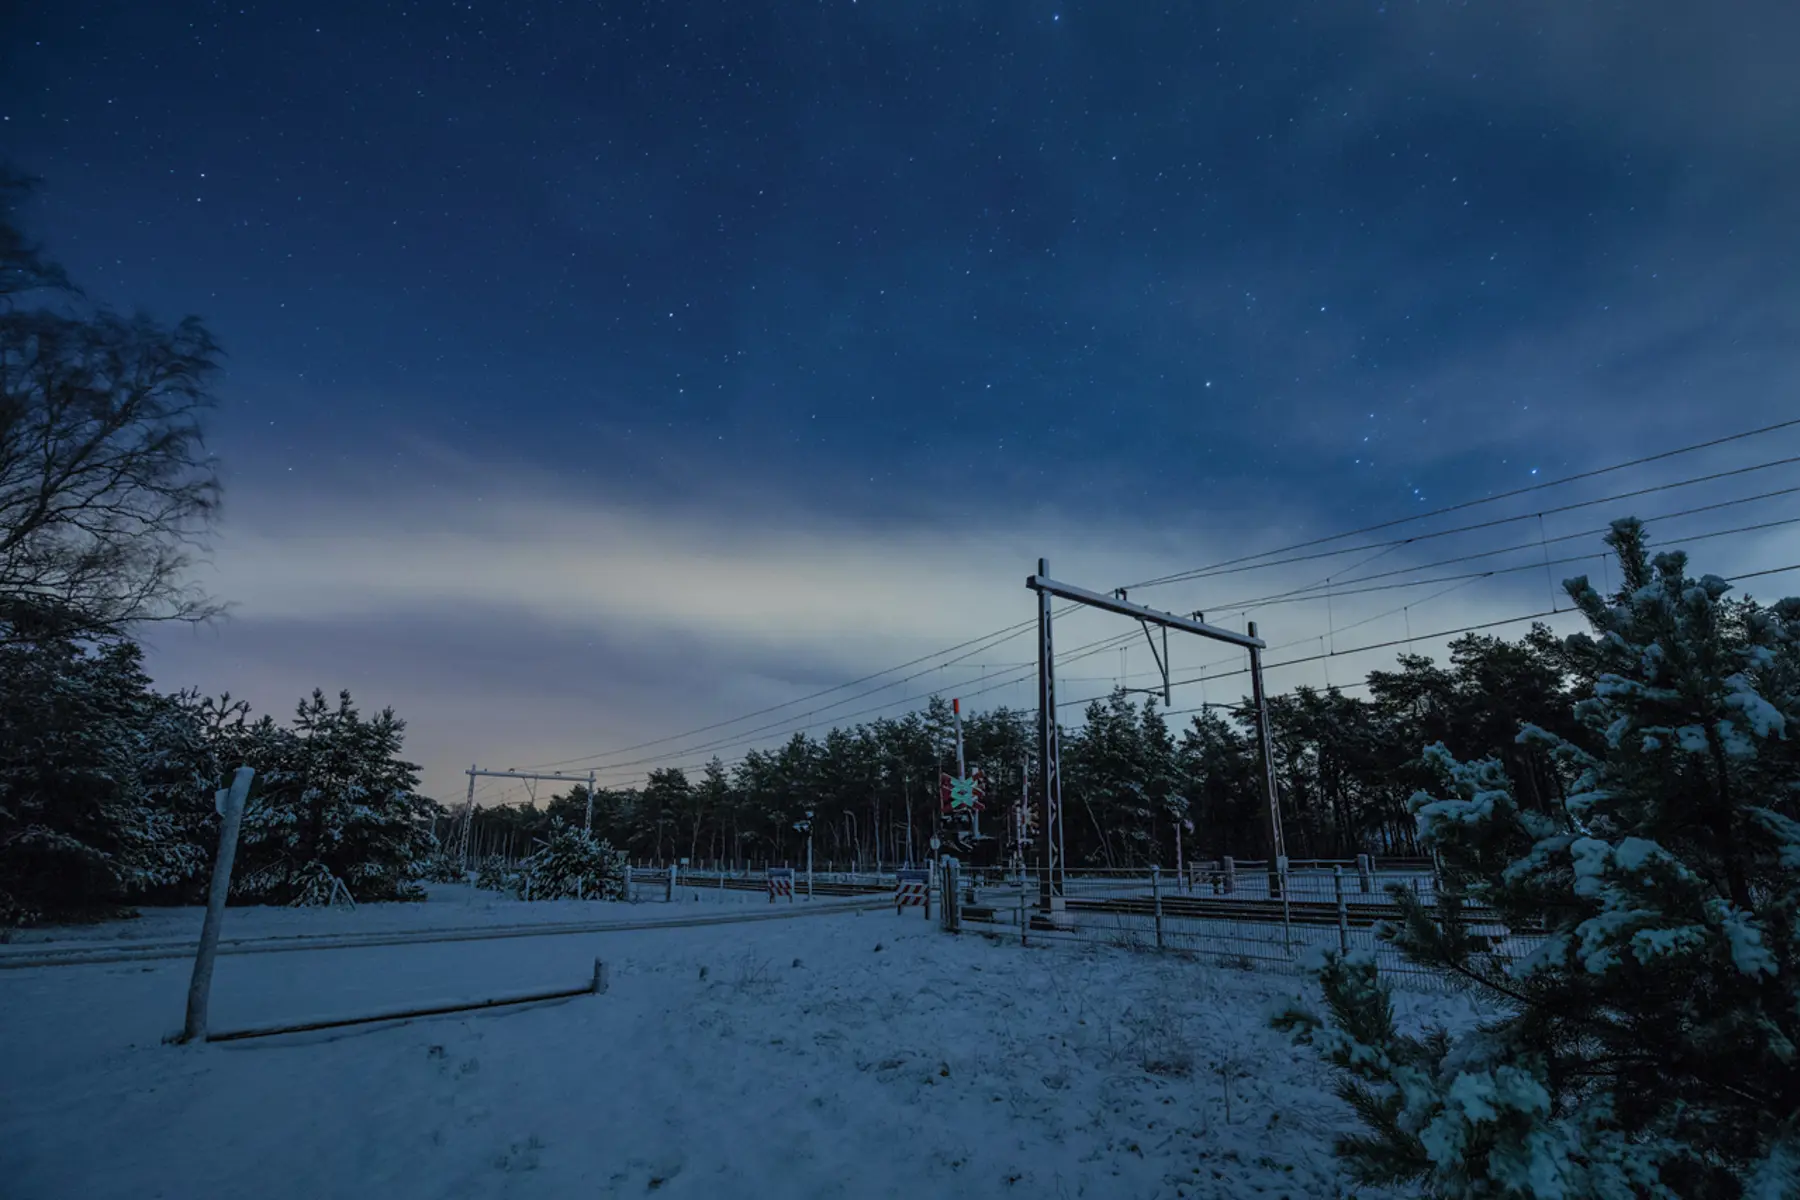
{"x":593,"y":987}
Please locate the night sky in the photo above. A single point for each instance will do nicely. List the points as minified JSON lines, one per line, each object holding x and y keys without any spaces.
{"x":597,"y":371}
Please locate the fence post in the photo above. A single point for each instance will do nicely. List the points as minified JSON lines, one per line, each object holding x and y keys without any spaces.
{"x":1337,"y":883}
{"x":1287,"y":919}
{"x":1365,"y":873}
{"x":1024,"y":920}
{"x":930,"y":886}
{"x":1156,"y":899}
{"x":230,"y":805}
{"x":671,"y":896}
{"x":952,"y":896}
{"x":1230,"y":875}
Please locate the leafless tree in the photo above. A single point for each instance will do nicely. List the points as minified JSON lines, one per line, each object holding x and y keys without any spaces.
{"x":106,"y":488}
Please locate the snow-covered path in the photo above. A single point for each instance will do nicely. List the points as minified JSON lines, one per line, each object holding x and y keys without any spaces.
{"x":323,"y":929}
{"x":847,"y":1056}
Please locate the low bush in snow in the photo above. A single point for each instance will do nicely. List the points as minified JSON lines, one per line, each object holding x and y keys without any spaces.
{"x":570,"y":864}
{"x":494,"y":873}
{"x":441,"y":867}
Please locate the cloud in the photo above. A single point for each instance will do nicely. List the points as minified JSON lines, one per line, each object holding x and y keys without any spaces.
{"x":531,"y":621}
{"x":1663,"y":73}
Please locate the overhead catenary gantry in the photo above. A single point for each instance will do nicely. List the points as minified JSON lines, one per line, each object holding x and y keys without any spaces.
{"x":1050,"y":893}
{"x":459,"y":845}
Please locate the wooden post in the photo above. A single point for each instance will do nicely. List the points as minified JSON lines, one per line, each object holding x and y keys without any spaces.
{"x":670,"y":897}
{"x":1337,"y":883}
{"x":1230,"y":875}
{"x":1024,"y":917}
{"x":1365,"y":873}
{"x":230,"y":804}
{"x":1156,"y":900}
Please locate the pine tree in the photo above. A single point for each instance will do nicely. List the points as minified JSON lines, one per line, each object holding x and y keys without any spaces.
{"x":1648,"y":1045}
{"x":333,"y":801}
{"x":93,"y":767}
{"x":571,"y":864}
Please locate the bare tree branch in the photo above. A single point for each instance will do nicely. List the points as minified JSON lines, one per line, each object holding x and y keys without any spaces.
{"x":106,"y":488}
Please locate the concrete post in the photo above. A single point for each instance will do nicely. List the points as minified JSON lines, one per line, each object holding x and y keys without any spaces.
{"x":230,"y":804}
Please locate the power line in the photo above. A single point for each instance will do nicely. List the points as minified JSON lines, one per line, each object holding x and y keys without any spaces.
{"x":1181,"y":712}
{"x":1759,"y":574}
{"x":1302,"y":595}
{"x":987,"y":642}
{"x":1422,"y":637}
{"x":1466,"y":504}
{"x":1532,"y":546}
{"x":748,"y":734}
{"x":1015,"y":630}
{"x":1103,"y":644}
{"x":1019,"y":674}
{"x":1209,"y":573}
{"x":1015,"y":675}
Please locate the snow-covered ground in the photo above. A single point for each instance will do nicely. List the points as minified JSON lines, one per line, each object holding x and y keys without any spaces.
{"x":853,"y":1055}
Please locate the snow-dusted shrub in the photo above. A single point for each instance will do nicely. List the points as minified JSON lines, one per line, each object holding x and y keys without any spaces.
{"x":494,"y":874}
{"x":1650,"y":1045}
{"x":571,"y":864}
{"x":316,"y":887}
{"x":441,"y":867}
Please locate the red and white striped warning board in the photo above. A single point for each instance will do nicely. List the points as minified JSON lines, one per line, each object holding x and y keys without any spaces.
{"x":909,"y":889}
{"x":781,"y":883}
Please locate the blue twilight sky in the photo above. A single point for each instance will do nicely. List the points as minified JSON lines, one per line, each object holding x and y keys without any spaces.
{"x":601,"y":370}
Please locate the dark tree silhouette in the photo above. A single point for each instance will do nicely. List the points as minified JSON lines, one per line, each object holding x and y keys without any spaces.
{"x":106,"y":490}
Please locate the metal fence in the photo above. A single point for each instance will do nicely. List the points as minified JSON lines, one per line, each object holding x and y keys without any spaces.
{"x":1239,"y":914}
{"x":661,"y":883}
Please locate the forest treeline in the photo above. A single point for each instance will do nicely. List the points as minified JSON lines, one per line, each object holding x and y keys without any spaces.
{"x":1346,"y":765}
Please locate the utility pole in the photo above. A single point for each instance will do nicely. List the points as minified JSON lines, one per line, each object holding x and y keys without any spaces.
{"x":1277,"y":848}
{"x":1050,"y":892}
{"x":907,"y":781}
{"x":806,"y":828}
{"x":465,"y":821}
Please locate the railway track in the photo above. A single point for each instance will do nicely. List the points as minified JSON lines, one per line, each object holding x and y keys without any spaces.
{"x":1298,"y":912}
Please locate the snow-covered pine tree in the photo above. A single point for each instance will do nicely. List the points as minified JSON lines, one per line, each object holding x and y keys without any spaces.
{"x":494,"y":874}
{"x":91,"y":766}
{"x":571,"y":864}
{"x":1647,"y":1047}
{"x":332,"y":800}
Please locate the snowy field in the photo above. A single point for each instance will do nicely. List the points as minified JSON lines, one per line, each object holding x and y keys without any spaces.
{"x":850,"y":1055}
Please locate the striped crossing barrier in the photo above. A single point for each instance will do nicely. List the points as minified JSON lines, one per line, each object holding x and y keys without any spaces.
{"x":912,"y":889}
